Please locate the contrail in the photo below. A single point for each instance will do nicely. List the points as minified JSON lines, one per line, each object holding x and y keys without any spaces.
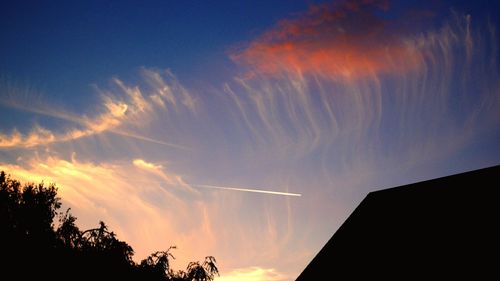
{"x":40,"y":109}
{"x":247,"y":190}
{"x":139,"y":137}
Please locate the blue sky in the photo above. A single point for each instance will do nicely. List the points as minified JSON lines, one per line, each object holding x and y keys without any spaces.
{"x":163,"y":118}
{"x":90,"y":41}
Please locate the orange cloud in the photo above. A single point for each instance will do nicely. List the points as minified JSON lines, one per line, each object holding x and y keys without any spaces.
{"x":341,"y":40}
{"x":170,"y":179}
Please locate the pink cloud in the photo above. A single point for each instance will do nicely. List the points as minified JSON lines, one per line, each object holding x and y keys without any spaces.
{"x":340,"y":40}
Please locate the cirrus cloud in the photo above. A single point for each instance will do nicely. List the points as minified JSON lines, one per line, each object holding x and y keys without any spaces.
{"x":123,"y":108}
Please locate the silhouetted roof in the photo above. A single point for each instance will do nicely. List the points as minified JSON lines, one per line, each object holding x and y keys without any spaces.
{"x":445,"y":227}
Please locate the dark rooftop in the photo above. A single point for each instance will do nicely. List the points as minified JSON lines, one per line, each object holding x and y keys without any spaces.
{"x":446,"y":227}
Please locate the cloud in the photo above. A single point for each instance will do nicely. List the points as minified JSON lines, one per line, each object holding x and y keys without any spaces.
{"x":133,"y":199}
{"x":145,"y":165}
{"x":123,"y":109}
{"x":138,"y":207}
{"x":167,"y":89}
{"x":158,"y":170}
{"x":341,"y":40}
{"x":37,"y":136}
{"x":342,"y":80}
{"x":254,"y":274}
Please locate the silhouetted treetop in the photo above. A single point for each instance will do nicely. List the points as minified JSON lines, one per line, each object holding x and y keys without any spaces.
{"x":33,"y":247}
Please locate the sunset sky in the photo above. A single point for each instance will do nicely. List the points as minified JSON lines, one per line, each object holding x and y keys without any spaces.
{"x":246,"y":130}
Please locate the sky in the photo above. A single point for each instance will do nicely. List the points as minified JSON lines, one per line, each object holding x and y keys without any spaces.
{"x":246,"y":130}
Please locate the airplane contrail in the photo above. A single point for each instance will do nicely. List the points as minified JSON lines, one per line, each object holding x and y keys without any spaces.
{"x":247,"y":190}
{"x":40,"y":109}
{"x":139,"y":137}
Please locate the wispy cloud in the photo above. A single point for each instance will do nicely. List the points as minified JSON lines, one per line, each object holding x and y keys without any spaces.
{"x":169,"y":179}
{"x":122,"y":109}
{"x":341,"y":76}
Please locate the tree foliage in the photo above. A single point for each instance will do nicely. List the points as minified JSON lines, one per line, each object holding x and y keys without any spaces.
{"x":34,"y":247}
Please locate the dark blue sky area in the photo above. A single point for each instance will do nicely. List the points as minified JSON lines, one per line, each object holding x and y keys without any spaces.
{"x":61,"y":47}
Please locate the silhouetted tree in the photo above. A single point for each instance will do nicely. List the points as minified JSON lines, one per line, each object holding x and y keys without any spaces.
{"x":101,"y":241}
{"x":68,"y":233}
{"x":32,"y":247}
{"x":28,"y":242}
{"x":202,"y":272}
{"x":157,"y":265}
